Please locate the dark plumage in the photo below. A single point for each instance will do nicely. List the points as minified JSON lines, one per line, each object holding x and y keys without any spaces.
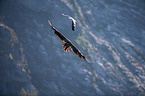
{"x":73,"y":21}
{"x":67,"y":43}
{"x":73,"y":26}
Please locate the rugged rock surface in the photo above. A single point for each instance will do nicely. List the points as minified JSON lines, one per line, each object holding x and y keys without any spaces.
{"x":109,"y":33}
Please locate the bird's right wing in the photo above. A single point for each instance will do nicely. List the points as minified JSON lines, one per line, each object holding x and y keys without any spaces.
{"x":58,"y":34}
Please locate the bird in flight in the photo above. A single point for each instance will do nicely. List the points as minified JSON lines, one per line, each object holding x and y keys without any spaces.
{"x":67,"y":43}
{"x":73,"y":21}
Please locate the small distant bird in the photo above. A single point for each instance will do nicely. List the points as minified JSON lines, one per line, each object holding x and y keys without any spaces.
{"x":73,"y":21}
{"x":68,"y":44}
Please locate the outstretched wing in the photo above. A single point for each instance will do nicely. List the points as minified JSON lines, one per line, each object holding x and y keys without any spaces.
{"x":77,"y":52}
{"x":58,"y":34}
{"x":73,"y":21}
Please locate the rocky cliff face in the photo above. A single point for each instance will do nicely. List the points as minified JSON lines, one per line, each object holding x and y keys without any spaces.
{"x":109,"y":33}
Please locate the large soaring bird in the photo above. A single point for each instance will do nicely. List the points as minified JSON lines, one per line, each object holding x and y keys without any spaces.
{"x":67,"y":43}
{"x":73,"y":21}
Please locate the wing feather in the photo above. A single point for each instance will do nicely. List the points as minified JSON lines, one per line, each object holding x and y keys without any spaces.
{"x":57,"y":33}
{"x":60,"y":35}
{"x":77,"y":52}
{"x":73,"y":25}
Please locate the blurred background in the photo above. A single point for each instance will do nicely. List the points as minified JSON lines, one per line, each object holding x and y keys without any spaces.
{"x":110,"y":33}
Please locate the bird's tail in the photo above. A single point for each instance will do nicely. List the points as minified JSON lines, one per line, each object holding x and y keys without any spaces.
{"x":51,"y":25}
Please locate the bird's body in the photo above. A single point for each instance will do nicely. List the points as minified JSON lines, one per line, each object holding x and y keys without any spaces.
{"x":73,"y":21}
{"x":67,"y":43}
